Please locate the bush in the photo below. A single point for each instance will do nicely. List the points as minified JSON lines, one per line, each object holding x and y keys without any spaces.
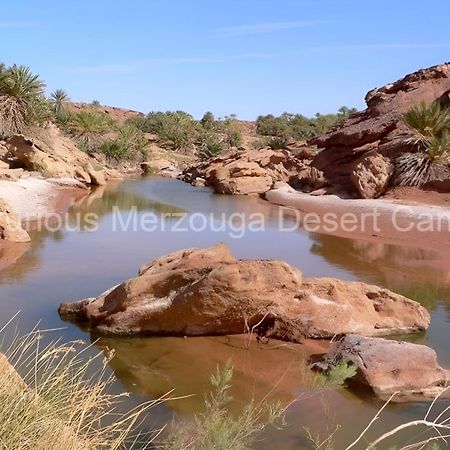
{"x":217,"y":429}
{"x":210,"y":145}
{"x":297,"y":126}
{"x":59,"y":401}
{"x":208,"y":120}
{"x":129,"y":143}
{"x":176,"y":130}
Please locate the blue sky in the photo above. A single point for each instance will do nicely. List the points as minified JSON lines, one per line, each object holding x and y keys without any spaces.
{"x":247,"y":57}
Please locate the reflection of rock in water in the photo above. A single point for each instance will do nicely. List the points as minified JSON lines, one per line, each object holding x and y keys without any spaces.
{"x":153,"y":366}
{"x":11,"y":252}
{"x":410,"y":271}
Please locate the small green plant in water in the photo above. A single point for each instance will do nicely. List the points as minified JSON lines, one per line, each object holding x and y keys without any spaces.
{"x":217,"y":429}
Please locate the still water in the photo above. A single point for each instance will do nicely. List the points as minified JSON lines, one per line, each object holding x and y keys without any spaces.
{"x":68,"y":265}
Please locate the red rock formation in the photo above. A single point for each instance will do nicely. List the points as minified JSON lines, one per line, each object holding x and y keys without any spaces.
{"x":376,"y":130}
{"x":198,"y":292}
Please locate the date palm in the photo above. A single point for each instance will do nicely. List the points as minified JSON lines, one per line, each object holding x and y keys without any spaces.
{"x":59,"y":100}
{"x":88,"y":127}
{"x":20,"y":92}
{"x":429,"y":133}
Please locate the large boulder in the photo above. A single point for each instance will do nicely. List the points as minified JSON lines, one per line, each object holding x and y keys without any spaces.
{"x":48,"y":151}
{"x":208,"y":292}
{"x":10,"y":226}
{"x":410,"y":371}
{"x":379,"y":128}
{"x":372,"y":174}
{"x":246,"y":172}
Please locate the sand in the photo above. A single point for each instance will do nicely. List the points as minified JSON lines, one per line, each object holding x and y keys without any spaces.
{"x":383,"y":220}
{"x":33,"y":198}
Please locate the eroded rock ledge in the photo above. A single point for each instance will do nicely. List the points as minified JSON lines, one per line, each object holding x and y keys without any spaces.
{"x":197,"y":292}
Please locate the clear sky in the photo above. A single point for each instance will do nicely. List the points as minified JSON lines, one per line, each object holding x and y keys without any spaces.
{"x":247,"y":57}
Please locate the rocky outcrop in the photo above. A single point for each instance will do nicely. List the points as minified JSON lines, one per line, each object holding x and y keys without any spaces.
{"x":378,"y":129}
{"x":372,"y":174}
{"x":410,"y":371}
{"x":10,"y":226}
{"x":48,"y":151}
{"x":208,"y":292}
{"x":247,"y":172}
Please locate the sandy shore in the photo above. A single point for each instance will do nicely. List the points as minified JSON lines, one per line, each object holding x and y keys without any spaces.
{"x":388,"y":221}
{"x":35,"y":198}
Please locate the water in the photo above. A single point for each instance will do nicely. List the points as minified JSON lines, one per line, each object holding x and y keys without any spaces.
{"x":64,"y":266}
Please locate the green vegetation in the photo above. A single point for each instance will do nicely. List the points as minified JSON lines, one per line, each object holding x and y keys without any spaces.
{"x":22,"y":99}
{"x":58,"y":101}
{"x":217,"y":429}
{"x":296,"y":126}
{"x":429,"y":126}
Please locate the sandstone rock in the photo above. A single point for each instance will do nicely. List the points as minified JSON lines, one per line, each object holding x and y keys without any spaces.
{"x":248,"y":172}
{"x":330,"y":306}
{"x":387,"y":367}
{"x":379,"y":127}
{"x":208,"y":292}
{"x":10,"y":174}
{"x":48,"y":151}
{"x":4,"y":165}
{"x":308,"y":179}
{"x":372,"y":174}
{"x":10,"y":226}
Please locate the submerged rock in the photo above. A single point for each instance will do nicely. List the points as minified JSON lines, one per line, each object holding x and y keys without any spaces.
{"x":208,"y":292}
{"x":387,"y":367}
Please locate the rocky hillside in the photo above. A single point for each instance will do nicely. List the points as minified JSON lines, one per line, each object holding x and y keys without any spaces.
{"x":119,"y":115}
{"x":358,"y":156}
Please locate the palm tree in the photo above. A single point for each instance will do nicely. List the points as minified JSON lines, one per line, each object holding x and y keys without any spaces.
{"x":58,"y":100}
{"x":87,"y":127}
{"x":429,"y":126}
{"x":20,"y":91}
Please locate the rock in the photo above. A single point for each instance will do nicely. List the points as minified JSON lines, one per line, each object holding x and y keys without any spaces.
{"x":199,"y":182}
{"x":10,"y":226}
{"x":308,"y":179}
{"x":247,"y":172}
{"x":155,"y":166}
{"x":112,"y":174}
{"x":372,"y":174}
{"x":208,"y":292}
{"x":4,"y":165}
{"x":48,"y":151}
{"x":379,"y":128}
{"x":10,"y":174}
{"x":331,"y":307}
{"x":387,"y":367}
{"x":97,"y":177}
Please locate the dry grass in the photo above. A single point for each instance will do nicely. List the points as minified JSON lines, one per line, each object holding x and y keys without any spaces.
{"x":60,"y":401}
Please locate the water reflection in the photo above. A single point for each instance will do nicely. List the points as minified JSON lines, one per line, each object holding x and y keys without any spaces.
{"x":61,"y":266}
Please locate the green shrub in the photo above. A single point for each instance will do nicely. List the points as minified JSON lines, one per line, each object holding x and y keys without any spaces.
{"x":210,"y":145}
{"x":176,"y":130}
{"x":208,"y":120}
{"x":297,"y":126}
{"x":277,"y":142}
{"x":217,"y":429}
{"x":128,"y":143}
{"x":88,"y":127}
